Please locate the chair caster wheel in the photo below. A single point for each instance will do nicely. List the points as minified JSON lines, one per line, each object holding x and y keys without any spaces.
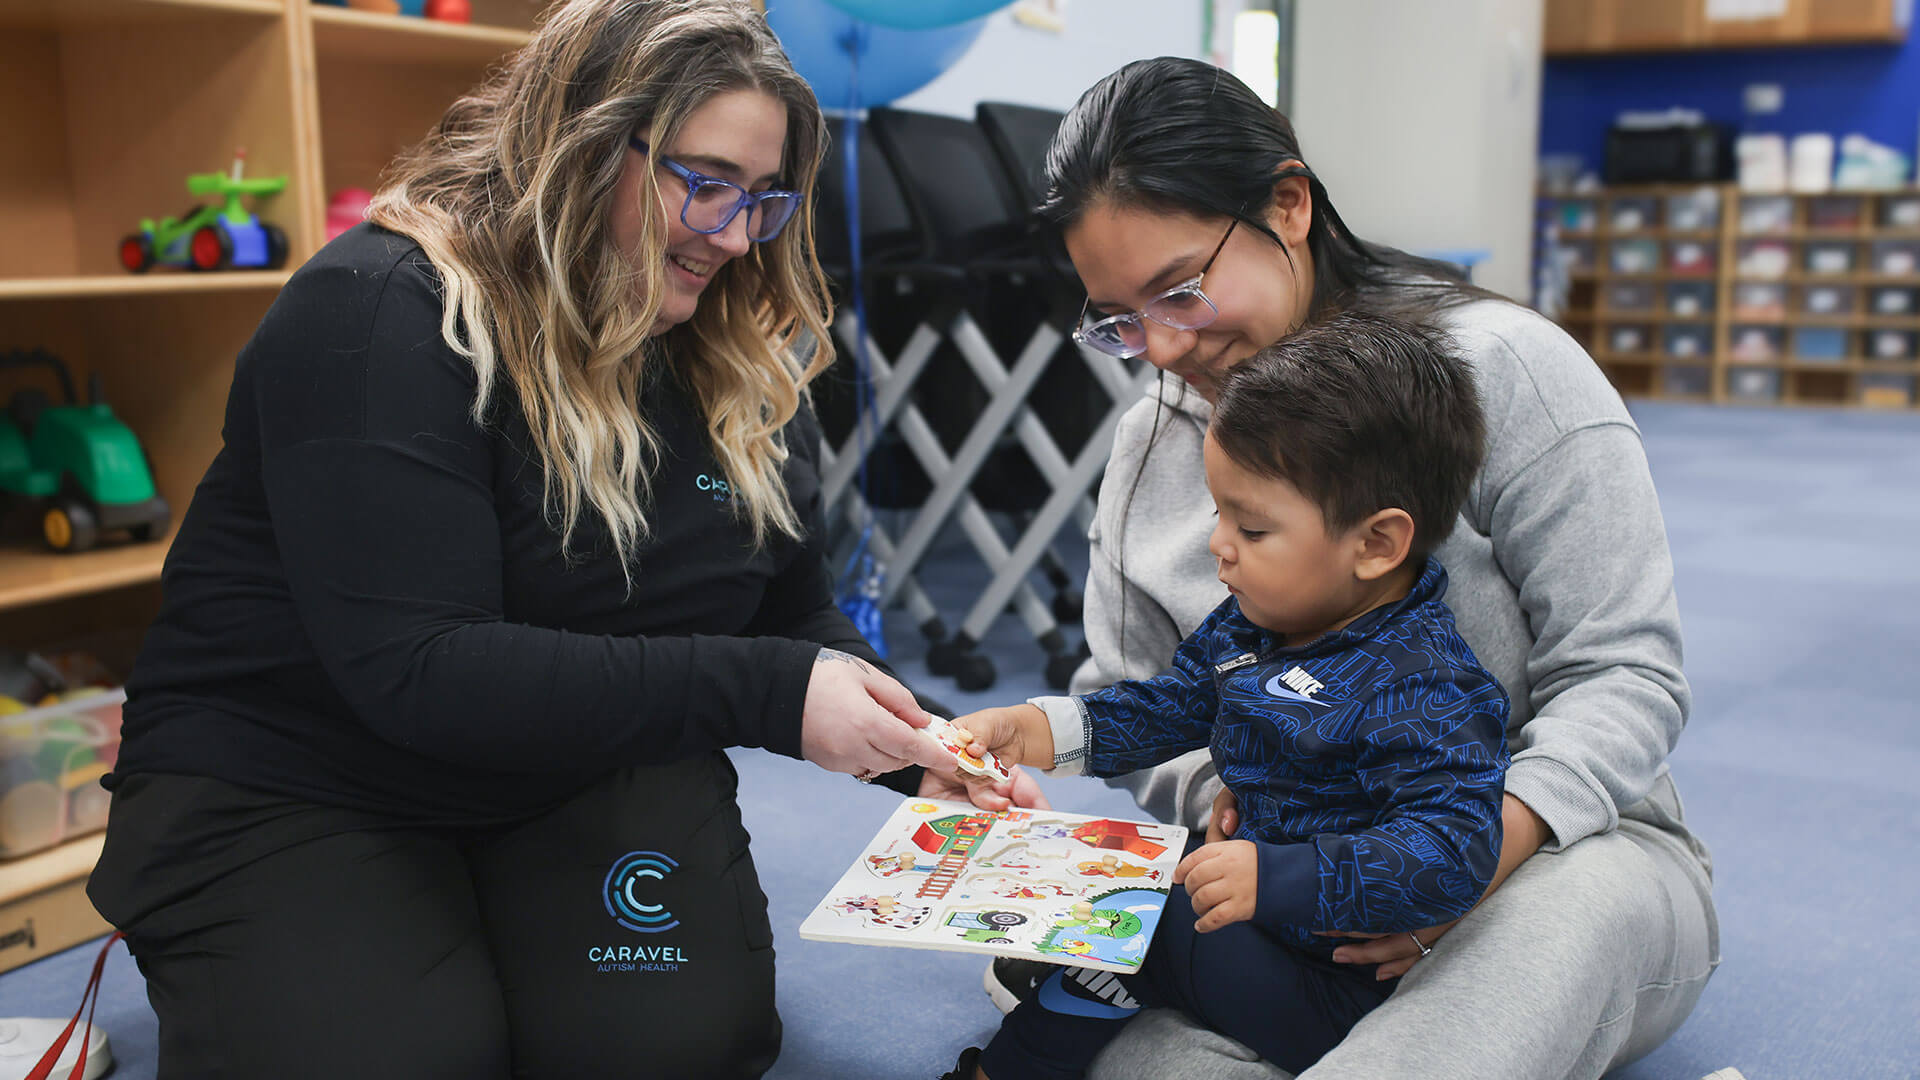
{"x":975,"y":673}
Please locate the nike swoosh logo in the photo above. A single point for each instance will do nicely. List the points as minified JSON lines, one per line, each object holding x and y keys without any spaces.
{"x":1281,"y":690}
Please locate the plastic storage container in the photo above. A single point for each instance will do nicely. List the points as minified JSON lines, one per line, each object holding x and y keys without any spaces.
{"x":1691,"y":257}
{"x":1629,"y":296}
{"x":1900,"y":212}
{"x":1826,"y":300}
{"x":1887,"y":390}
{"x":1763,"y":258}
{"x":1687,"y":340}
{"x":1819,"y":343}
{"x":1757,"y":342}
{"x":51,"y":762}
{"x":1892,"y":302}
{"x":1759,"y":300}
{"x":1890,"y":345}
{"x":1829,"y":257}
{"x":1694,"y":210}
{"x":1635,"y":256}
{"x":1688,"y":299}
{"x":1631,"y":338}
{"x":1766,"y":214}
{"x":1896,"y":257}
{"x":1753,"y":384}
{"x":1686,"y":380}
{"x":1633,"y":213}
{"x":1836,"y":212}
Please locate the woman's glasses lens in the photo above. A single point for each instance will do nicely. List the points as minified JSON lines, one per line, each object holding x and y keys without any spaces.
{"x":1182,"y":309}
{"x":711,"y":207}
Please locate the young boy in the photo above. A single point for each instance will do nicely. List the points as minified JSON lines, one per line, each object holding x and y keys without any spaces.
{"x":1365,"y":744}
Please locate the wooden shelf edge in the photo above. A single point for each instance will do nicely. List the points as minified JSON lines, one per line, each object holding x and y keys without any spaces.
{"x":339,"y":29}
{"x":70,"y":861}
{"x":29,"y":576}
{"x":58,"y":13}
{"x":160,"y":284}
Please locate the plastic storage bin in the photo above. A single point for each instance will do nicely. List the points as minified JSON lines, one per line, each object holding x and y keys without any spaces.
{"x":1687,"y":340}
{"x":51,"y":762}
{"x":1829,"y":257}
{"x":1819,"y":343}
{"x":1766,"y":214}
{"x":1900,"y":212}
{"x":1688,"y":299}
{"x":1757,"y":342}
{"x":1763,"y":258}
{"x":1573,"y":215}
{"x":1836,"y":212}
{"x":1686,"y":380}
{"x":1890,"y":345}
{"x":1759,"y":300}
{"x":1753,"y":384}
{"x":1826,"y":300}
{"x":1631,"y":338}
{"x":1896,"y":257}
{"x":1887,"y":390}
{"x":1694,"y":210}
{"x":1629,"y":296}
{"x":1633,"y":213}
{"x":1691,"y":257}
{"x":1635,"y":256}
{"x":1892,"y":302}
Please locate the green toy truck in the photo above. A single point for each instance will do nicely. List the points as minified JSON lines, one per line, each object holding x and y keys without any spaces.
{"x":79,"y":463}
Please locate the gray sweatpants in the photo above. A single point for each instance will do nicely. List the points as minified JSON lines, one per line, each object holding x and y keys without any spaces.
{"x":1613,"y":937}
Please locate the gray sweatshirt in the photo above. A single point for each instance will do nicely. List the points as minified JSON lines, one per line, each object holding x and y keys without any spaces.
{"x":1561,"y":580}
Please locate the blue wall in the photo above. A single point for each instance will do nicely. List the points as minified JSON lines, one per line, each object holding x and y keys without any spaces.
{"x":1870,"y":89}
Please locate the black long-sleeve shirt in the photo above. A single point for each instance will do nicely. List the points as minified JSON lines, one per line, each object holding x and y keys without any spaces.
{"x":368,"y":605}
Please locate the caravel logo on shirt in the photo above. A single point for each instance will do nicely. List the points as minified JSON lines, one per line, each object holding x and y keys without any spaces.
{"x":1295,"y":685}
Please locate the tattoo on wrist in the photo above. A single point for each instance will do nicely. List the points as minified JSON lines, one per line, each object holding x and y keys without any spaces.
{"x":836,"y":656}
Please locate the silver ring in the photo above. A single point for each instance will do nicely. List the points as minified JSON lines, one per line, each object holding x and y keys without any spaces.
{"x":865,"y":776}
{"x":1424,"y":949}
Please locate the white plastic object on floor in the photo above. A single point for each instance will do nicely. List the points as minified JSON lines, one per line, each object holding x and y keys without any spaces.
{"x":24,"y":1040}
{"x":1724,"y":1074}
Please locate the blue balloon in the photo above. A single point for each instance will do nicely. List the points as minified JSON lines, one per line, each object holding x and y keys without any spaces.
{"x":917,"y":14}
{"x":824,"y":44}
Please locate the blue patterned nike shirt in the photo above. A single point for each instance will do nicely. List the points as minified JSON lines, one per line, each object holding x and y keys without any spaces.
{"x":1368,"y":764}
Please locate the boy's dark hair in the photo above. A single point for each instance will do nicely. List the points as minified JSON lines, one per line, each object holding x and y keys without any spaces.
{"x":1361,"y":412}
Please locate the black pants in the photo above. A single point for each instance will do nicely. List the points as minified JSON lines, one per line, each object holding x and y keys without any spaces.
{"x":621,"y":934}
{"x":1286,"y":1005}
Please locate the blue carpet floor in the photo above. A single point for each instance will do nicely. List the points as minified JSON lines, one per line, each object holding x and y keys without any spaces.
{"x":1799,"y":578}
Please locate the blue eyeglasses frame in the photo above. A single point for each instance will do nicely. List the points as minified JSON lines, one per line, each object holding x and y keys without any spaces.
{"x":775,"y":206}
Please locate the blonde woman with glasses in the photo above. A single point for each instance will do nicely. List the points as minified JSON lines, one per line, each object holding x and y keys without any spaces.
{"x":516,"y":527}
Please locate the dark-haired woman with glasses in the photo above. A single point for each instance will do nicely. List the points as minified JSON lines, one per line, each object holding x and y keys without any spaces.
{"x":516,"y":527}
{"x":1202,"y":236}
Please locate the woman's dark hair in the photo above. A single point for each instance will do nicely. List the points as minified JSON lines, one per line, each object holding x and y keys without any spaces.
{"x":1182,"y":135}
{"x":1360,"y":412}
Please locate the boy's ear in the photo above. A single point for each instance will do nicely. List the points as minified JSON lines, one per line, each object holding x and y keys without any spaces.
{"x":1384,"y":540}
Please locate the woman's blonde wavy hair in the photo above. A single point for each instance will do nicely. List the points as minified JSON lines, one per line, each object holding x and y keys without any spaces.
{"x":509,"y":197}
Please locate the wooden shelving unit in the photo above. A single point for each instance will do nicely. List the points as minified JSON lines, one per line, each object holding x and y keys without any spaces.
{"x":109,"y":105}
{"x":1713,"y":294}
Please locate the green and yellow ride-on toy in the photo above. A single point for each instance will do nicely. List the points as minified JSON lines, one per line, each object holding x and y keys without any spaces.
{"x":211,"y":236}
{"x":77,"y":462}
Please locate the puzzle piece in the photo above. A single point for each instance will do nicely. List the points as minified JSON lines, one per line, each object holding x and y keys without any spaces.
{"x":954,"y":740}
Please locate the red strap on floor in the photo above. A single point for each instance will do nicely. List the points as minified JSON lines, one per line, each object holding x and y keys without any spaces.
{"x":45,"y":1069}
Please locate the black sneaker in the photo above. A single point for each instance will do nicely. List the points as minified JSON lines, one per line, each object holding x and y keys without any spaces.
{"x":964,"y":1068}
{"x":1010,"y":981}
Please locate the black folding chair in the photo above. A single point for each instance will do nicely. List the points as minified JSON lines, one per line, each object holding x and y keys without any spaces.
{"x":975,"y":235}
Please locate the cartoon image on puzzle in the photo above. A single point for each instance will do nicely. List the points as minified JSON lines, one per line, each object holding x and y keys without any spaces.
{"x":1036,"y":884}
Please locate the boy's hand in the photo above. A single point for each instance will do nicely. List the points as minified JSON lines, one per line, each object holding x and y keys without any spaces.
{"x":1222,"y":880}
{"x":1017,"y":734}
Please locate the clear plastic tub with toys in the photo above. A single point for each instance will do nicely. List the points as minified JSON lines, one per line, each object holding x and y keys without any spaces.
{"x":59,"y":734}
